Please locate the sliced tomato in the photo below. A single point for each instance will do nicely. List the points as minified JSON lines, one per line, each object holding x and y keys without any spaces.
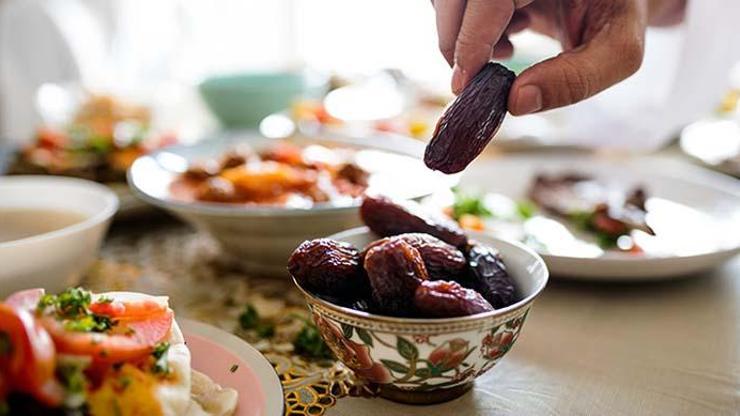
{"x":29,"y":362}
{"x":25,"y":299}
{"x":125,"y":307}
{"x":133,"y":338}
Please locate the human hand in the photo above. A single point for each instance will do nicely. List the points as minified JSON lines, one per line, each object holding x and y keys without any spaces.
{"x":602,"y":41}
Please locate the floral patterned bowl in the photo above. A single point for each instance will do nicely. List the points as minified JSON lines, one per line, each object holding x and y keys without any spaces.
{"x":425,"y":361}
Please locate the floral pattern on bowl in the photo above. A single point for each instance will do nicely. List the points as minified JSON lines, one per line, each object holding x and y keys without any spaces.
{"x":418,"y":361}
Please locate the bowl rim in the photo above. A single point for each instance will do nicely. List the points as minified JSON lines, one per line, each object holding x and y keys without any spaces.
{"x":483,"y":316}
{"x":107,"y":195}
{"x":391,"y":143}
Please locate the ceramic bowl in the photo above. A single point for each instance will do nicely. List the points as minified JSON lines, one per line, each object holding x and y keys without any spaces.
{"x":242,"y":100}
{"x":57,"y":259}
{"x":261,"y":238}
{"x":425,"y":361}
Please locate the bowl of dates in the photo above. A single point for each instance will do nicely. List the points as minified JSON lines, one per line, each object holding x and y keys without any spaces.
{"x":260,"y":197}
{"x":413,"y":304}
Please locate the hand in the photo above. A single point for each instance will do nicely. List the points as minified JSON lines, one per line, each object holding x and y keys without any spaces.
{"x":603,"y":43}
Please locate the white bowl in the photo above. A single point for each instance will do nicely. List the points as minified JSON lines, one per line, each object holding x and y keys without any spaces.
{"x":56,"y":259}
{"x":261,"y":238}
{"x":425,"y":361}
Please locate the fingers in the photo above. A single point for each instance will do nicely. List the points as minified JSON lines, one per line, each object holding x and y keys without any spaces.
{"x":482,"y":25}
{"x":608,"y":55}
{"x":449,"y":16}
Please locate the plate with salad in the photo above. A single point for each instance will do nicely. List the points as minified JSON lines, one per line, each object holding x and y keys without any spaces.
{"x":606,"y":218}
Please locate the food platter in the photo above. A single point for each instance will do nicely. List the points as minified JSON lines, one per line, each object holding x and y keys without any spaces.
{"x":702,"y":232}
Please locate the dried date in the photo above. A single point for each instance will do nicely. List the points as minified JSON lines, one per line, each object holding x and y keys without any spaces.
{"x":395,"y":269}
{"x":443,"y":299}
{"x":328,"y":267}
{"x":471,"y":121}
{"x":387,"y":217}
{"x":487,"y":274}
{"x":442,"y":261}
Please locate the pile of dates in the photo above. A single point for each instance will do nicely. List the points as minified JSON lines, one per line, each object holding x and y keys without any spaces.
{"x":424,"y":267}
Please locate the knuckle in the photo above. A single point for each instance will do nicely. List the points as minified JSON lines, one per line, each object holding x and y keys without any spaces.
{"x":579,"y":82}
{"x":632,"y":53}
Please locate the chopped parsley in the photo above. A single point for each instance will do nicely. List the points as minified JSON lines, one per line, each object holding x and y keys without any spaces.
{"x":161,"y":365}
{"x":469,"y":203}
{"x":526,"y":209}
{"x":70,"y":373}
{"x":6,"y":347}
{"x":249,"y":319}
{"x":234,"y":368}
{"x":72,"y":307}
{"x":308,"y":343}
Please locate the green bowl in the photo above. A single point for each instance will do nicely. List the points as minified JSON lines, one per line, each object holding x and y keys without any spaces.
{"x":243,"y":100}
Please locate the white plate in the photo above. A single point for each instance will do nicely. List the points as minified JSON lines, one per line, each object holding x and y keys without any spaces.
{"x":232,"y":362}
{"x":713,"y":195}
{"x":715,"y":143}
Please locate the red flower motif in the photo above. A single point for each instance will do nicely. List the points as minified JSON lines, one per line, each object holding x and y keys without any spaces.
{"x":495,"y":346}
{"x":353,"y":355}
{"x":450,"y":354}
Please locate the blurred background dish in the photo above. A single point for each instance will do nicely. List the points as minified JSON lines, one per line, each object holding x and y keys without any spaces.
{"x":242,"y":100}
{"x":694,"y":214}
{"x":50,"y":230}
{"x":261,"y":237}
{"x":232,"y":362}
{"x":715,"y":143}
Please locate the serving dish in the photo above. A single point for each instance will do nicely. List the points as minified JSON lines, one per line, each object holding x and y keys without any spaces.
{"x":423,"y":360}
{"x":262,"y":237}
{"x":714,"y":143}
{"x":233,"y":363}
{"x":695,"y":213}
{"x":55,"y":259}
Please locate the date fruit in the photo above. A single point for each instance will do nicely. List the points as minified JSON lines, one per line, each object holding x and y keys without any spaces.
{"x":487,"y":275}
{"x":443,"y":299}
{"x":328,"y":267}
{"x":471,"y":121}
{"x":442,"y":261}
{"x":387,"y":217}
{"x":395,"y":269}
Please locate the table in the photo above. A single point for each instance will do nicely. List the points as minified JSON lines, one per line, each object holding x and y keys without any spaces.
{"x":668,"y":348}
{"x":660,"y":348}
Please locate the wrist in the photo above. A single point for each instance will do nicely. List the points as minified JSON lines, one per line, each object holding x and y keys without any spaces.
{"x":666,"y":12}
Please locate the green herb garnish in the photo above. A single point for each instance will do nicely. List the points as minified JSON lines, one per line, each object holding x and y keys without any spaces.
{"x":468,"y":203}
{"x":525,"y":209}
{"x":70,"y":373}
{"x":249,"y":319}
{"x":234,"y":368}
{"x":265,"y":329}
{"x":308,"y":343}
{"x":90,"y":323}
{"x":72,"y":307}
{"x":161,"y":365}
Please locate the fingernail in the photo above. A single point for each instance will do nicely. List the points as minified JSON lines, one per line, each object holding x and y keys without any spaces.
{"x":529,"y":100}
{"x":458,"y":80}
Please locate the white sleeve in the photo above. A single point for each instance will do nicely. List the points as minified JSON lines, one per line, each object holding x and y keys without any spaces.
{"x":684,"y":75}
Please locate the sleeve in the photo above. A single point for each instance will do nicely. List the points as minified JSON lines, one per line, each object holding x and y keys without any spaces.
{"x":684,"y":75}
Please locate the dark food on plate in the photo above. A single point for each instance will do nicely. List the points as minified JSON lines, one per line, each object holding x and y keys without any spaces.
{"x":487,"y":274}
{"x":583,"y":201}
{"x":117,"y":353}
{"x":100,"y":143}
{"x":440,"y":259}
{"x":387,"y":217}
{"x":327,"y":266}
{"x":395,"y":270}
{"x":280,"y":174}
{"x":409,"y":273}
{"x":471,"y":121}
{"x":443,"y":299}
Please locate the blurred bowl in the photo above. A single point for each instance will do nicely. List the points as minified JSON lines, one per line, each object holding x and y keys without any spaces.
{"x":53,"y":260}
{"x":261,"y":238}
{"x":243,"y":100}
{"x":425,"y":361}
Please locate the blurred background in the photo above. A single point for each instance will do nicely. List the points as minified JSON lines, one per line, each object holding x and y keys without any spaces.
{"x":351,"y":66}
